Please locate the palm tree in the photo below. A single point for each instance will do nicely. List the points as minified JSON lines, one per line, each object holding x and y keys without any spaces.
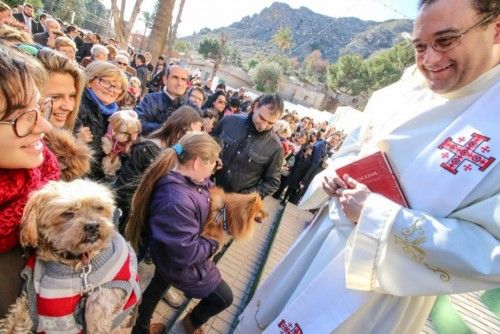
{"x":162,"y":21}
{"x":283,"y":38}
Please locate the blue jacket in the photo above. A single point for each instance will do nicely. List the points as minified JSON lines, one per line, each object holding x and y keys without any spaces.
{"x":178,"y":213}
{"x":154,"y":110}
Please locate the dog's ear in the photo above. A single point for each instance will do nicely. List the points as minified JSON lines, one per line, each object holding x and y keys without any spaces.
{"x":31,"y":218}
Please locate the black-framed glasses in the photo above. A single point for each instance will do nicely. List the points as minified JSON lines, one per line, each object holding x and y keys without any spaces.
{"x":448,"y":41}
{"x":108,"y":85}
{"x":24,"y":123}
{"x":221,"y":102}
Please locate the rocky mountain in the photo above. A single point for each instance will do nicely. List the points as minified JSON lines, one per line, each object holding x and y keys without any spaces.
{"x":311,"y":31}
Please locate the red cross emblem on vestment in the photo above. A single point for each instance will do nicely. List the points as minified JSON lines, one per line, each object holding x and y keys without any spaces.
{"x":288,"y":328}
{"x":466,"y":152}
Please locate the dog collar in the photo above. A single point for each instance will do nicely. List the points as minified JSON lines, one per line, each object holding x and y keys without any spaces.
{"x":223,"y":212}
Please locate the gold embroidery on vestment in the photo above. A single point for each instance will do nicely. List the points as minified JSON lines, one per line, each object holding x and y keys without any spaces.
{"x":412,"y":238}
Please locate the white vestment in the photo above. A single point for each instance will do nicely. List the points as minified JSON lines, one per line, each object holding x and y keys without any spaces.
{"x":395,"y":260}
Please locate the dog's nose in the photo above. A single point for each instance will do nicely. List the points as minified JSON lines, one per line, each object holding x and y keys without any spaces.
{"x":91,"y":228}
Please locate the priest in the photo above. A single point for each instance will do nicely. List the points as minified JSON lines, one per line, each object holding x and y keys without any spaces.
{"x":369,"y":265}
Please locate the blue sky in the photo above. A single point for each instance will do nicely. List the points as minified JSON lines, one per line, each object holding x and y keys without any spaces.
{"x":198,"y":14}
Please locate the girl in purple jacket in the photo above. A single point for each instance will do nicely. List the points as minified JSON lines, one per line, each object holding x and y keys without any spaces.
{"x":173,"y":199}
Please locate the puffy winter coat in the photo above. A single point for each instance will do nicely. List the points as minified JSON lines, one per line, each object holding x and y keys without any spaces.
{"x":154,"y":110}
{"x":178,"y":212}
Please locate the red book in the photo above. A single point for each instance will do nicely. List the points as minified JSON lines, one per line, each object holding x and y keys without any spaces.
{"x":376,"y":173}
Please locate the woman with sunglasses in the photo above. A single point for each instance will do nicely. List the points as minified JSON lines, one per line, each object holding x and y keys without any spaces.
{"x":105,"y":85}
{"x":25,"y":163}
{"x":217,"y":102}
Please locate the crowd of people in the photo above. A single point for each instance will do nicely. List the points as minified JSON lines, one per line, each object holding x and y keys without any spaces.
{"x":74,"y":106}
{"x":62,"y":94}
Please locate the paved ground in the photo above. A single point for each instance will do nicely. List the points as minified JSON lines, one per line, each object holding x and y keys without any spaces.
{"x":241,"y":263}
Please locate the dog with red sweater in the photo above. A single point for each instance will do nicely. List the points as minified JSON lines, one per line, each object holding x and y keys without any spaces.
{"x":82,"y":276}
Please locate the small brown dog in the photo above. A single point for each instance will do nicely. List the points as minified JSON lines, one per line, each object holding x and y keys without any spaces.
{"x":83,"y":275}
{"x":123,"y":130}
{"x":233,"y":215}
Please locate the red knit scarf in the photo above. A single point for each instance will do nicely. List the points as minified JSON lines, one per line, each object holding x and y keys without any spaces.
{"x":15,"y":186}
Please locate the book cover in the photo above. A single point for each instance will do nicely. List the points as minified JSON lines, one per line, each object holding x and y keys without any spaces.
{"x":376,"y":173}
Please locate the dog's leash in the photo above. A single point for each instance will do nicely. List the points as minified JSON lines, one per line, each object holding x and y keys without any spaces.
{"x":86,"y":289}
{"x":223,"y":212}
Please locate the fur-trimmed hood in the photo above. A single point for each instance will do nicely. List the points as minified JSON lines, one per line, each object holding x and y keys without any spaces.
{"x":74,"y":156}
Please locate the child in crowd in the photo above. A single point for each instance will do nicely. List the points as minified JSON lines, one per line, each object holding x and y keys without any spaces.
{"x":170,"y":208}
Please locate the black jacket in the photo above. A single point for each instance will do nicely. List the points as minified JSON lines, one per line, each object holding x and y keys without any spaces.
{"x":143,"y":153}
{"x":84,"y":51}
{"x":34,"y":26}
{"x":252,"y":160}
{"x":78,"y":42}
{"x":90,"y":116}
{"x":299,"y":171}
{"x":156,"y":83}
{"x":143,"y":75}
{"x":154,"y":110}
{"x":41,"y":38}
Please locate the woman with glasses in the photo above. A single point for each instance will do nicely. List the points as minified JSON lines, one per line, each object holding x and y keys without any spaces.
{"x":25,"y":163}
{"x":105,"y":85}
{"x":217,"y":101}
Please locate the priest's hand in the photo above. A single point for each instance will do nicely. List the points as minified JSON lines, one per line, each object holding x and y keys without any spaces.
{"x":332,"y":184}
{"x":353,"y":197}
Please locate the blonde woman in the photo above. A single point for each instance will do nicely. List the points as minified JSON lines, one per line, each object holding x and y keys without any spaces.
{"x":106,"y":84}
{"x":63,"y":88}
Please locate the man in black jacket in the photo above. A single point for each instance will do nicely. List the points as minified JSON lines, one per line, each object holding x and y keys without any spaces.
{"x":27,"y":18}
{"x":142,"y":71}
{"x":72,"y":32}
{"x":252,"y":154}
{"x":155,"y":108}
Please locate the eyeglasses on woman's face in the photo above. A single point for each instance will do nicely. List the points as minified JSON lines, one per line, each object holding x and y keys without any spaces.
{"x":109,"y":86}
{"x":24,"y":123}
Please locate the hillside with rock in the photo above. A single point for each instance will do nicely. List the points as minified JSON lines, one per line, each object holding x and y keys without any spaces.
{"x":334,"y":37}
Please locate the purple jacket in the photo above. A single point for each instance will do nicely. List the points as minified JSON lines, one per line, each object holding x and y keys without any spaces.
{"x":178,"y":211}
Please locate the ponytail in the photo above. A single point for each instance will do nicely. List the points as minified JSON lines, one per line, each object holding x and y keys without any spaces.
{"x":190,"y":146}
{"x":142,"y":197}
